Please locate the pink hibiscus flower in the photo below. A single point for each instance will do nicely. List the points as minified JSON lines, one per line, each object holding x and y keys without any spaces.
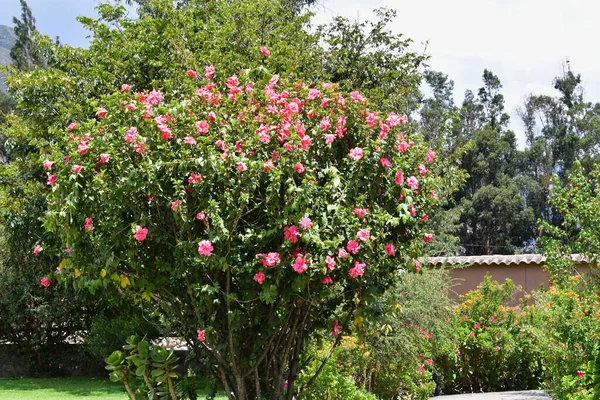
{"x":140,"y":233}
{"x":205,"y":248}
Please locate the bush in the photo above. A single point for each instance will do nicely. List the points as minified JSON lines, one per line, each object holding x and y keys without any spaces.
{"x":496,"y":348}
{"x":391,"y":353}
{"x":570,"y":326}
{"x":114,"y":326}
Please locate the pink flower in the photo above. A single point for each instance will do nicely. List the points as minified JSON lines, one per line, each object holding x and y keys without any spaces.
{"x":139,"y":148}
{"x":330,"y":261}
{"x":205,"y":248}
{"x":327,"y":280}
{"x":329,"y":138}
{"x":477,"y":326}
{"x":45,"y":282}
{"x":336,"y":328}
{"x":385,"y":162}
{"x":209,"y":71}
{"x":131,"y":134}
{"x":37,"y":249}
{"x":313,"y":94}
{"x":140,"y":233}
{"x":194,"y":178}
{"x":395,"y":120}
{"x":497,"y":348}
{"x":352,"y":246}
{"x":77,"y":169}
{"x":212,"y":117}
{"x":305,"y":223}
{"x":300,"y":264}
{"x":48,"y":164}
{"x":241,"y":167}
{"x":72,"y":125}
{"x":191,"y":73}
{"x":88,"y":224}
{"x":325,"y":124}
{"x":51,"y":179}
{"x":492,"y":318}
{"x":361,"y":212}
{"x":268,"y":166}
{"x":402,"y":146}
{"x":412,"y":182}
{"x":579,"y":373}
{"x":201,"y":335}
{"x":433,"y":195}
{"x":201,"y":126}
{"x":427,"y":237}
{"x":390,"y":249}
{"x":363,"y":234}
{"x":269,"y":259}
{"x":399,"y":178}
{"x":189,"y":141}
{"x":356,"y":96}
{"x":125,"y":87}
{"x":299,"y":168}
{"x":154,"y":97}
{"x":104,"y":158}
{"x":82,"y":148}
{"x":305,"y":142}
{"x":357,"y":270}
{"x":67,"y":159}
{"x":356,"y":153}
{"x":175,"y":205}
{"x":429,"y":361}
{"x":424,"y":217}
{"x":422,"y":170}
{"x":422,"y":369}
{"x":259,"y":277}
{"x":291,"y":233}
{"x":371,"y":119}
{"x":201,"y":216}
{"x":342,"y":253}
{"x":101,"y":112}
{"x":265,"y":51}
{"x":430,"y":156}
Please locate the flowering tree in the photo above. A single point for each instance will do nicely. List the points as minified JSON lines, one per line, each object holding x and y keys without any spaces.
{"x":251,"y":212}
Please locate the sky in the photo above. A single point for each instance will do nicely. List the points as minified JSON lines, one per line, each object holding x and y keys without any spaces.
{"x":527,"y":43}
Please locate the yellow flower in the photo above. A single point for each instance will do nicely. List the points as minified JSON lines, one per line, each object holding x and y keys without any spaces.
{"x":77,"y":273}
{"x":125,"y":281}
{"x":102,"y":273}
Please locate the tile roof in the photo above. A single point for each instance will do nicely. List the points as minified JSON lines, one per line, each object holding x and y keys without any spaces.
{"x":494,"y":259}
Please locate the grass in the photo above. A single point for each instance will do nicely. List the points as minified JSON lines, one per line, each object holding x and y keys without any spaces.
{"x":66,"y":389}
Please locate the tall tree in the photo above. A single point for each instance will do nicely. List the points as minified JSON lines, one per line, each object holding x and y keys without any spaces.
{"x":25,"y":53}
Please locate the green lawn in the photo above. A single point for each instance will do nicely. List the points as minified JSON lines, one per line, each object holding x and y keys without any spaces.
{"x":65,"y":389}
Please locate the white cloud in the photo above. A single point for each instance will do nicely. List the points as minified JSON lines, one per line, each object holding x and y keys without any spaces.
{"x":524,"y":42}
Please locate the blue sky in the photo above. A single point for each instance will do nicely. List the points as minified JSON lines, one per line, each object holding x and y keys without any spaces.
{"x":525,"y":42}
{"x":53,"y":17}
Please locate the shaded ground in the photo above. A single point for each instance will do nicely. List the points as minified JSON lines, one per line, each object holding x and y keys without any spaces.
{"x":523,"y":395}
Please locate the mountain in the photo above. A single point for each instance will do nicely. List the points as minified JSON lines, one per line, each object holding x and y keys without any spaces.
{"x":7,"y":39}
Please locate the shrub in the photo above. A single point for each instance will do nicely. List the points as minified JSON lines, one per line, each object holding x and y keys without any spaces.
{"x":496,"y":349}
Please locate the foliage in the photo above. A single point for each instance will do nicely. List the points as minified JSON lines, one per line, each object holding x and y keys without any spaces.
{"x":391,"y":353}
{"x":152,"y":52}
{"x":115,"y":324}
{"x":571,"y":309}
{"x":337,"y":379}
{"x":152,"y":366}
{"x":570,"y":329}
{"x":252,"y":202}
{"x":496,"y":349}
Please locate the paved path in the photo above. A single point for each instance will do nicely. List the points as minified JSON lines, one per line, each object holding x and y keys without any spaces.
{"x":524,"y":395}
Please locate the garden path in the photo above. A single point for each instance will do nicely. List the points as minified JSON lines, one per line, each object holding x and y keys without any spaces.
{"x":522,"y":395}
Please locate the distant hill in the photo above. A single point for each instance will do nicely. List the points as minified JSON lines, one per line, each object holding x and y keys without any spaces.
{"x":7,"y":39}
